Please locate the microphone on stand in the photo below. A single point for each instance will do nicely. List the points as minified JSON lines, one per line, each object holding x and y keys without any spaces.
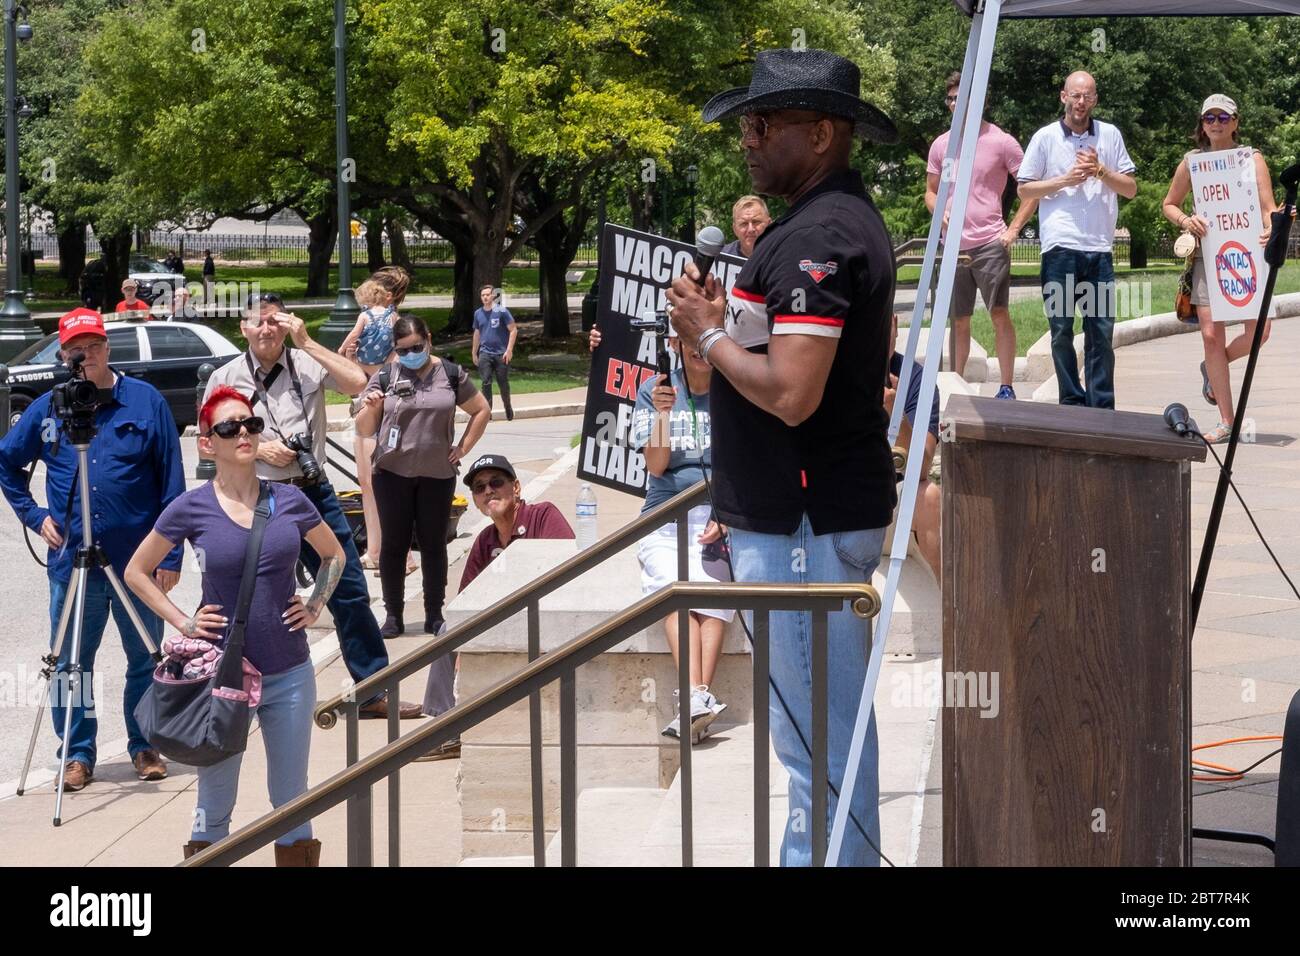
{"x":708,"y":243}
{"x":1176,"y":417}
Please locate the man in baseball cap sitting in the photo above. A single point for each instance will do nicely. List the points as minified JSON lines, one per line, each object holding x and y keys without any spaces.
{"x":492,"y":481}
{"x":135,"y":471}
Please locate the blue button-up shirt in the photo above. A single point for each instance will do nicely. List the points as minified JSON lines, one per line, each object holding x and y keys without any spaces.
{"x":135,"y":471}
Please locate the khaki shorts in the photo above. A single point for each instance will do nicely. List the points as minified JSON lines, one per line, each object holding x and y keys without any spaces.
{"x":1200,"y":290}
{"x":990,"y":272}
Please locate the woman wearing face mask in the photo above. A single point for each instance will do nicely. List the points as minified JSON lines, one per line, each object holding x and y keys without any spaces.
{"x":410,"y":407}
{"x":1216,"y":129}
{"x":216,"y":519}
{"x":370,"y":344}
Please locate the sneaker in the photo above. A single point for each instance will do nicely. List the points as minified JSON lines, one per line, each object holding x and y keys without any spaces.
{"x":704,"y":709}
{"x":674,"y":726}
{"x":1006,"y":391}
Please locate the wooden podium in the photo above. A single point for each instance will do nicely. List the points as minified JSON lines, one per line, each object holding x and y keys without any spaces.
{"x":1066,"y":593}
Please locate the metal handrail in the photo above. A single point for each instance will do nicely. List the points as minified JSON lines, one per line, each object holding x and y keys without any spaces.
{"x":561,"y":664}
{"x":326,"y":713}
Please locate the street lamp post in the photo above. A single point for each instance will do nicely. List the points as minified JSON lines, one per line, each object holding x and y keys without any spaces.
{"x":692,"y":177}
{"x":344,"y":314}
{"x":17,"y":330}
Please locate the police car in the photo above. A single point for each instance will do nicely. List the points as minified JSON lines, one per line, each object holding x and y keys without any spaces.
{"x":167,"y":355}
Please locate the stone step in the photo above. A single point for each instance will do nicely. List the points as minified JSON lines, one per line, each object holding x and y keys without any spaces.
{"x":611,"y":825}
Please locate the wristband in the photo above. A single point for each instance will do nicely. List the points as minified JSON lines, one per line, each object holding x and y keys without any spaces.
{"x":708,"y":340}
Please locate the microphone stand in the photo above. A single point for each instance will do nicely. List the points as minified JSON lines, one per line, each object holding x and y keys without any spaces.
{"x":1275,"y":256}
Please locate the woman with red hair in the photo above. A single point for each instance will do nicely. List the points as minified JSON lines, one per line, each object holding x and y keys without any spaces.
{"x":216,"y":518}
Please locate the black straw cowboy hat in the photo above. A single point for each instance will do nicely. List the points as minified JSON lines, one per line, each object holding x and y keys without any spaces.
{"x":805,"y":80}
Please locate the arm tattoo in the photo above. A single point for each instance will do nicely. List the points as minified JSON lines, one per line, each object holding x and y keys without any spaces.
{"x":327,"y":578}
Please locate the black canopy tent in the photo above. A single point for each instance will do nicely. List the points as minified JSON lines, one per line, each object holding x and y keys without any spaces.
{"x":960,"y":155}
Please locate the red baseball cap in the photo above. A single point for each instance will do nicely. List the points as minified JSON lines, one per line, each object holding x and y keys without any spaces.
{"x":81,"y":321}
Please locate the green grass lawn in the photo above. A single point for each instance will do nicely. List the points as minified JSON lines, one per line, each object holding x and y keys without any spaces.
{"x":291,"y":282}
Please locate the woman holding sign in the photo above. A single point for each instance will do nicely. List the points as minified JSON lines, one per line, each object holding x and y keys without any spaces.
{"x":1217,"y":130}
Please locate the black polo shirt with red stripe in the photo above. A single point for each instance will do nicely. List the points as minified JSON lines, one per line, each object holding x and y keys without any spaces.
{"x":825,"y":268}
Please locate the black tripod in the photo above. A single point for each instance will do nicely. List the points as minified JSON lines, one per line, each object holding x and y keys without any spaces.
{"x":1275,"y":256}
{"x":88,"y":556}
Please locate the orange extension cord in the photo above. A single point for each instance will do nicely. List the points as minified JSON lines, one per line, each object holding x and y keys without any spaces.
{"x":1233,"y":774}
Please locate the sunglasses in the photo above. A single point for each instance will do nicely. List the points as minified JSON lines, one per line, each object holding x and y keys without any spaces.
{"x":495,"y":482}
{"x":229,"y":429}
{"x":1222,"y":119}
{"x":759,"y":126}
{"x":410,"y":349}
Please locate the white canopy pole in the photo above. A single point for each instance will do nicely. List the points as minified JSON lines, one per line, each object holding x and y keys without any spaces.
{"x":946,"y":177}
{"x":975,"y":86}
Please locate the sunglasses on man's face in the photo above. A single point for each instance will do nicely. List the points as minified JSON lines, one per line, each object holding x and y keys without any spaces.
{"x":230,"y":428}
{"x":495,"y":483}
{"x":410,"y":349}
{"x":255,"y":299}
{"x":758,"y":125}
{"x":1209,"y":119}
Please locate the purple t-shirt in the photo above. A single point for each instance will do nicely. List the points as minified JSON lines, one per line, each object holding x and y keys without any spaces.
{"x":197,"y":517}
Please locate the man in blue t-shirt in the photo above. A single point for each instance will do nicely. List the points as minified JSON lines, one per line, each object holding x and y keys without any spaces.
{"x":494,"y":346}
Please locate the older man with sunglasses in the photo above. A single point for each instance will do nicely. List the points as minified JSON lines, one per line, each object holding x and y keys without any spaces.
{"x":802,"y":471}
{"x":495,"y":487}
{"x":288,"y":389}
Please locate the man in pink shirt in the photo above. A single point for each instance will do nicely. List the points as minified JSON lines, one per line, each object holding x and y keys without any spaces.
{"x":984,"y":237}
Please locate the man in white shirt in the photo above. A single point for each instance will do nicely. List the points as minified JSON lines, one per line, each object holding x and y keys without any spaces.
{"x":1076,"y":167}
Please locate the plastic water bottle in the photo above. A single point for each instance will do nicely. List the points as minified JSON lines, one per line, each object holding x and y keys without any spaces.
{"x":586,"y":515}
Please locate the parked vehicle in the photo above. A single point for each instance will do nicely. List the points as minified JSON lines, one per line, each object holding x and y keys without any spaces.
{"x":167,"y":355}
{"x":154,"y":278}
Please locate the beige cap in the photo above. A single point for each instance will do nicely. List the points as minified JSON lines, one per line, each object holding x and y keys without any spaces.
{"x":1218,"y":101}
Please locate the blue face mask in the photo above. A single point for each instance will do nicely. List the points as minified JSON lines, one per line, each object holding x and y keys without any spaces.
{"x":414,"y":360}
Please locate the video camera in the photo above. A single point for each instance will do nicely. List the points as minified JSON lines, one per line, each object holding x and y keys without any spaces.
{"x":75,"y":401}
{"x":657,"y":324}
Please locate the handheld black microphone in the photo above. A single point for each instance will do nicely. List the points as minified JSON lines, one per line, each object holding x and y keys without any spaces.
{"x":1176,"y":417}
{"x":708,"y":244}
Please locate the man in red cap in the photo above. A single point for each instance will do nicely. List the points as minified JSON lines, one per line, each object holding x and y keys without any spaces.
{"x":134,"y":471}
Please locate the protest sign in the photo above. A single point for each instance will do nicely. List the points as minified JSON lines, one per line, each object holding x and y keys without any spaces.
{"x":636,"y":269}
{"x":1226,"y":194}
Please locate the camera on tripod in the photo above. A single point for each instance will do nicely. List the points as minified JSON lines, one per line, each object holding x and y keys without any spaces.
{"x":75,"y":401}
{"x":300,"y":445}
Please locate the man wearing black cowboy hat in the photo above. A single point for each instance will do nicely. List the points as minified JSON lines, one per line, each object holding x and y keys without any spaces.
{"x":803,"y":475}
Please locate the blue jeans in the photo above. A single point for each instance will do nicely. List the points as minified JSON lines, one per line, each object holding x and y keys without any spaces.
{"x":1086,"y":281}
{"x":803,"y":558}
{"x":100,"y":600}
{"x":358,"y":631}
{"x":284,"y":716}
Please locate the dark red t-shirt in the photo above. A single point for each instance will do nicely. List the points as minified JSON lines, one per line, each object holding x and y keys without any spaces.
{"x":542,"y":520}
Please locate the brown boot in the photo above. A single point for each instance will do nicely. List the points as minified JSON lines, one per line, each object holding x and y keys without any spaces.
{"x":299,"y":853}
{"x":194,"y":846}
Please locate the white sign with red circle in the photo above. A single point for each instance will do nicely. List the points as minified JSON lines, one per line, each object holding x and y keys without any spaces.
{"x":1225,"y":194}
